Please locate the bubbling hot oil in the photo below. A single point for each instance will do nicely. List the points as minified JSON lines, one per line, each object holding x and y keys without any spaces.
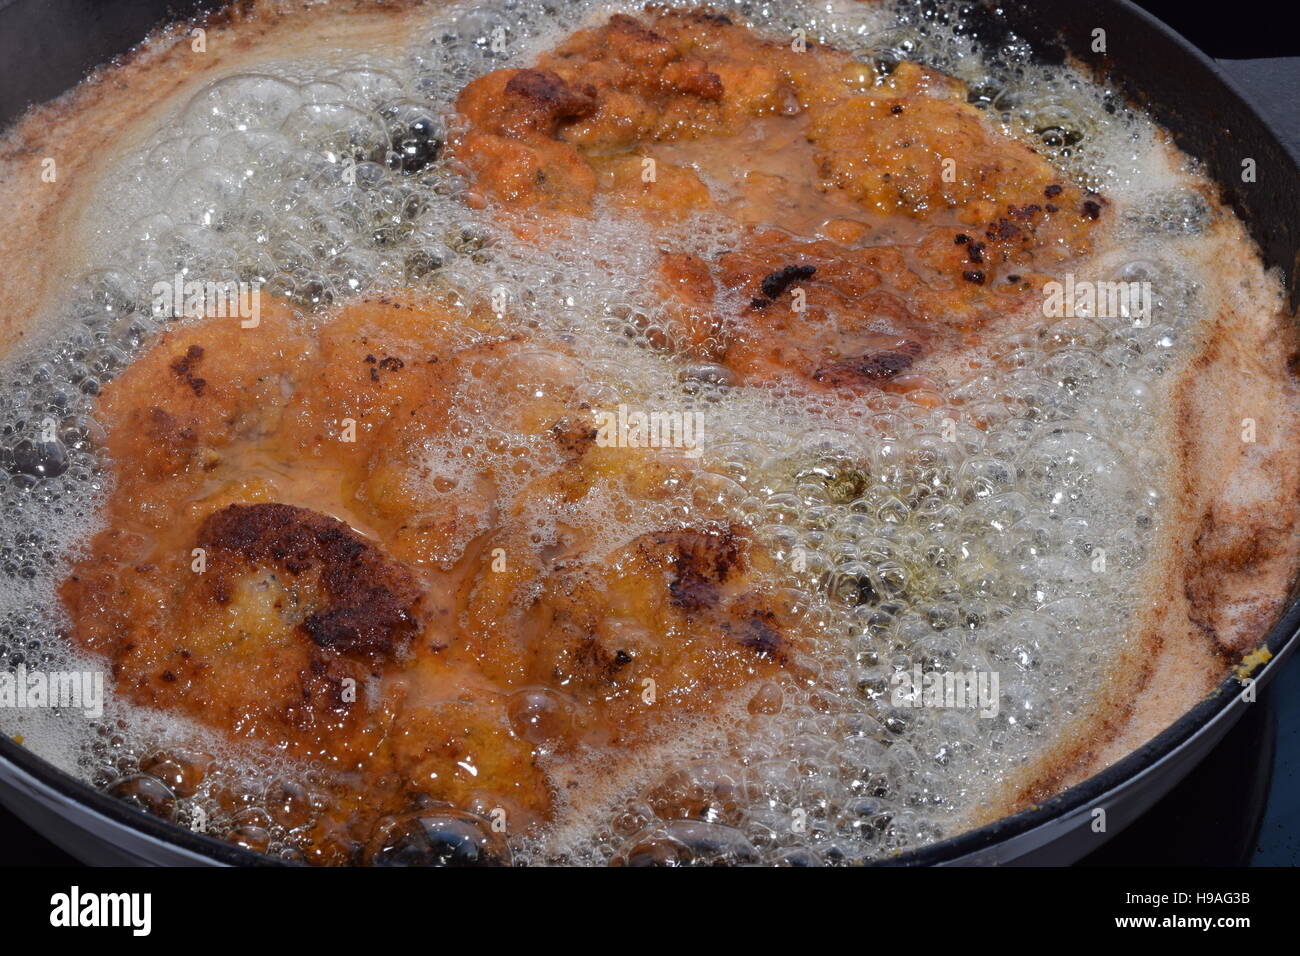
{"x":909,"y":536}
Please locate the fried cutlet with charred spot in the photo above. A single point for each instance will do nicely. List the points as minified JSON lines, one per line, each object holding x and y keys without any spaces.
{"x":379,"y":608}
{"x":935,"y":221}
{"x":258,"y":629}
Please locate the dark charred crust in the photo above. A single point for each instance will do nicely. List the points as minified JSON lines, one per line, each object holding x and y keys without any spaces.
{"x":872,"y":367}
{"x":973,"y":275}
{"x":544,"y":88}
{"x":183,"y":366}
{"x":775,"y":283}
{"x":592,"y":659}
{"x":548,"y":99}
{"x":1003,"y":230}
{"x":1092,"y":209}
{"x":702,"y":83}
{"x":701,"y":561}
{"x":1052,"y":191}
{"x":372,"y":604}
{"x":573,"y":437}
{"x":759,"y":633}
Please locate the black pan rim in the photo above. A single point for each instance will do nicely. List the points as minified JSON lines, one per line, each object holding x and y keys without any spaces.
{"x":1280,"y":641}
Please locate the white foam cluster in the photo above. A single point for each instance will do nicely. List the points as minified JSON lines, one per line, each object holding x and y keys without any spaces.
{"x":903,"y":541}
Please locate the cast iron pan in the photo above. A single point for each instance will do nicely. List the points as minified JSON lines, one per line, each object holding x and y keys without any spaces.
{"x":47,"y":47}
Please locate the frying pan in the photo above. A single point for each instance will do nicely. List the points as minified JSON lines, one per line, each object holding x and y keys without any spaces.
{"x":1219,"y":112}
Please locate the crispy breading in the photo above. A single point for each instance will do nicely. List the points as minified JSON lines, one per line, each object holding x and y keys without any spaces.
{"x":389,"y":645}
{"x":916,"y":212}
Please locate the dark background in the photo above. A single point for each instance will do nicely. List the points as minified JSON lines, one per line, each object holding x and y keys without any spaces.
{"x":1210,"y":814}
{"x":1238,"y":30}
